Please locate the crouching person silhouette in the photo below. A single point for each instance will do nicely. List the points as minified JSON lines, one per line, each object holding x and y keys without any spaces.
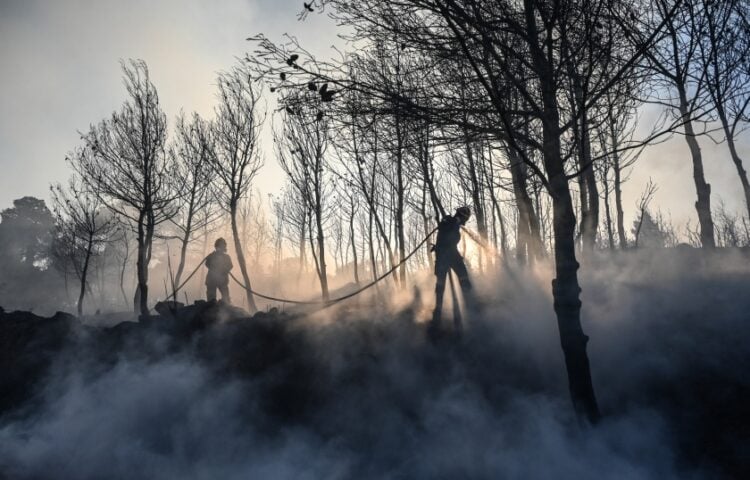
{"x":447,"y":258}
{"x":219,"y":265}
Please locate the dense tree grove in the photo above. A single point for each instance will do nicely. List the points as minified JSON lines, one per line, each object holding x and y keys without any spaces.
{"x":529,"y":94}
{"x":524,"y":110}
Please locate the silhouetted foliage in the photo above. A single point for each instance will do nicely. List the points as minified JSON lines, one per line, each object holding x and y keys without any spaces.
{"x":29,"y":280}
{"x":83,"y":228}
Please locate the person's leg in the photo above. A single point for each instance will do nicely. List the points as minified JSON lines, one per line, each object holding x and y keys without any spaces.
{"x":224,"y":289}
{"x":457,"y":322}
{"x":441,"y":273}
{"x":462,"y":273}
{"x":210,"y":292}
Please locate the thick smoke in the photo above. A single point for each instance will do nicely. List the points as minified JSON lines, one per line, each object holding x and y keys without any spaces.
{"x":363,"y":394}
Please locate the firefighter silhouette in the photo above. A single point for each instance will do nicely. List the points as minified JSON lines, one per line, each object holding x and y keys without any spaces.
{"x":219,"y":265}
{"x":448,"y":258}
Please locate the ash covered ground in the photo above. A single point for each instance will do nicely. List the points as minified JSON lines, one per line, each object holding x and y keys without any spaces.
{"x":360,"y":392}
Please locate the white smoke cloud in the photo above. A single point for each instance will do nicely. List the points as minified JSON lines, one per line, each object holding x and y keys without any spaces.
{"x":365,"y":395}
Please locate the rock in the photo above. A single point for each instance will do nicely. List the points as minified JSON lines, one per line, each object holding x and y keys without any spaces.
{"x":167,"y":309}
{"x":28,"y":346}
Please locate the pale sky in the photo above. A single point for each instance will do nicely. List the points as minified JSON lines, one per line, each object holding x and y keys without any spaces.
{"x":60,"y":72}
{"x":60,"y":69}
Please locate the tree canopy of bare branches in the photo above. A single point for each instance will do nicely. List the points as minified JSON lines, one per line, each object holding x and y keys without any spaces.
{"x":128,"y":168}
{"x":235,"y":158}
{"x":84,"y":227}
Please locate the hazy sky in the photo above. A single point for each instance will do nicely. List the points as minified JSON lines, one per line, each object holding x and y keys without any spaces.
{"x":60,"y":69}
{"x":60,"y":73}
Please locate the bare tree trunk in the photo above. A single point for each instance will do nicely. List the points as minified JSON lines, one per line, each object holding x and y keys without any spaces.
{"x":497,"y":215}
{"x":592,"y":191}
{"x":583,"y":197}
{"x":618,"y":190}
{"x":145,"y":237}
{"x":565,"y":288}
{"x":68,"y":300}
{"x":337,"y":266}
{"x":322,"y":273}
{"x":353,"y":238}
{"x":523,"y":250}
{"x":735,"y":157}
{"x":371,"y":205}
{"x":319,"y":260}
{"x":241,"y":258}
{"x":703,"y":189}
{"x":476,"y":195}
{"x":528,"y":228}
{"x":204,"y":252}
{"x":185,"y":240}
{"x":424,"y":163}
{"x":122,"y":282}
{"x":123,"y":267}
{"x":426,"y":225}
{"x":147,"y":260}
{"x":583,"y":201}
{"x":589,"y":193}
{"x":84,"y":273}
{"x":400,"y":205}
{"x":383,"y":263}
{"x":371,"y":242}
{"x":140,"y":301}
{"x":302,"y":240}
{"x":181,"y":266}
{"x":608,"y":215}
{"x":503,"y":231}
{"x":385,"y":242}
{"x":566,"y":291}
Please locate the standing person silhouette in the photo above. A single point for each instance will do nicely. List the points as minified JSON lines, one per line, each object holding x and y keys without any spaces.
{"x":219,"y":265}
{"x":447,"y":258}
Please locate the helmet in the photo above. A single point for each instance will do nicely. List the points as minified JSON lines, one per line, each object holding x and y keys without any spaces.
{"x":463,"y":213}
{"x":220,"y":243}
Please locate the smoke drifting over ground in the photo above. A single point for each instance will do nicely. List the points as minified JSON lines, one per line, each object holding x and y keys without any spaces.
{"x":365,"y":395}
